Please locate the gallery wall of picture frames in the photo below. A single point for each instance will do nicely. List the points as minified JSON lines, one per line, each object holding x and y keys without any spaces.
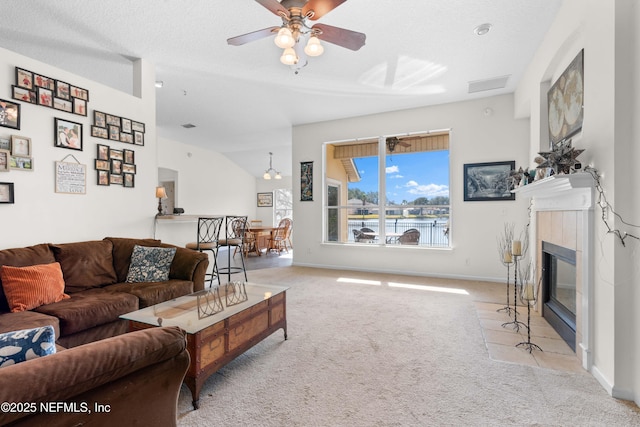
{"x":115,"y":167}
{"x":38,"y":89}
{"x":116,"y":128}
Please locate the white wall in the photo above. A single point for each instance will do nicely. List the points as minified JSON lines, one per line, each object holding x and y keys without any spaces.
{"x":475,"y":137}
{"x":607,"y":32}
{"x":39,"y":214}
{"x":208,"y":184}
{"x":266,"y":186}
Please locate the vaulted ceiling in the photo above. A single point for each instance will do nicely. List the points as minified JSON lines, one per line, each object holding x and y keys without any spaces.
{"x":242,"y":100}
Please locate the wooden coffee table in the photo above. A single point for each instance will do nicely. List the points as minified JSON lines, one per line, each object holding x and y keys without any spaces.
{"x":215,"y":340}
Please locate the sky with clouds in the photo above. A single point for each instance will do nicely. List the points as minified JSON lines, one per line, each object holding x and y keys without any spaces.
{"x":409,"y":176}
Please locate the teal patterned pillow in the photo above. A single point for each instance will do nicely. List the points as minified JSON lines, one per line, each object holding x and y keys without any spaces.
{"x":26,"y":344}
{"x":150,"y":264}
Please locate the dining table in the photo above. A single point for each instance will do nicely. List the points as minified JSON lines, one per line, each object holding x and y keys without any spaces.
{"x":264,"y":233}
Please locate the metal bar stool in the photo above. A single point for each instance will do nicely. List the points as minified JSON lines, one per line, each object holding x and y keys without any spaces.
{"x":207,"y":240}
{"x":235,"y":227}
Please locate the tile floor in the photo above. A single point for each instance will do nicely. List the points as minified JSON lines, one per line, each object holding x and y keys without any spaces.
{"x":501,"y":341}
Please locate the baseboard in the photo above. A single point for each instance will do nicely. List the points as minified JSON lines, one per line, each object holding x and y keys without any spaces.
{"x":399,"y":272}
{"x":602,"y":380}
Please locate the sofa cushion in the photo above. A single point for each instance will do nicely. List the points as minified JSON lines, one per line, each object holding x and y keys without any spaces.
{"x":85,"y":264}
{"x":154,"y":293}
{"x":19,"y":257}
{"x":150,"y":264}
{"x":90,"y":308}
{"x":122,"y":250}
{"x":32,"y":286}
{"x":26,"y":344}
{"x":27,"y":320}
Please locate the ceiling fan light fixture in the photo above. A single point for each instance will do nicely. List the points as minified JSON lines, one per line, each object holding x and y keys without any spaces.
{"x":289,"y":57}
{"x":313,"y":47}
{"x":266,"y":175}
{"x":284,"y":39}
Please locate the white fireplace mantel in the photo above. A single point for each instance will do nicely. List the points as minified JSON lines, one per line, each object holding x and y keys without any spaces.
{"x":561,"y":192}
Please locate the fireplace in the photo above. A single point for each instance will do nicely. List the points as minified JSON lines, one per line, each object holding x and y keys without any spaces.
{"x":559,"y":290}
{"x":563,"y":206}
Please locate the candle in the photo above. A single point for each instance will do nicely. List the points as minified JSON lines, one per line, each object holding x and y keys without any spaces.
{"x":528,"y":292}
{"x":507,"y":257}
{"x":516,"y":248}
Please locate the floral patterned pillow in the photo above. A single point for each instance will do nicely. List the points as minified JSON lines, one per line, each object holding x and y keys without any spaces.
{"x":26,"y":344}
{"x":150,"y":264}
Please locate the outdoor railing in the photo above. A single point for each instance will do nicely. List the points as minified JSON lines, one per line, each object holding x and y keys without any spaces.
{"x":433,"y":233}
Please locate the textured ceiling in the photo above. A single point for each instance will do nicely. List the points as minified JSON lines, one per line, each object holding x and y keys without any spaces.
{"x":242,"y":100}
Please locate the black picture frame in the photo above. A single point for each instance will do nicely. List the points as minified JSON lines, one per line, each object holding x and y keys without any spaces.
{"x":67,"y":134}
{"x":306,"y":181}
{"x":265,"y":200}
{"x":128,"y":180}
{"x":129,"y":157}
{"x":6,"y":192}
{"x":24,"y":95}
{"x":104,"y":177}
{"x":9,"y":114}
{"x":99,"y":119}
{"x":98,"y":132}
{"x":488,"y":181}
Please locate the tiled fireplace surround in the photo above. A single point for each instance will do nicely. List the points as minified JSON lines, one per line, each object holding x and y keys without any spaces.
{"x":563,"y":206}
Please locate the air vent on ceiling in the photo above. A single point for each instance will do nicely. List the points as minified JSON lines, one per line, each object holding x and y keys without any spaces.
{"x":488,"y":84}
{"x":188,"y":126}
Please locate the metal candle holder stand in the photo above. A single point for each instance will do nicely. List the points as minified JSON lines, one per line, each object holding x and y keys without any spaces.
{"x":516,"y":323}
{"x":528,"y":345}
{"x":507,"y":309}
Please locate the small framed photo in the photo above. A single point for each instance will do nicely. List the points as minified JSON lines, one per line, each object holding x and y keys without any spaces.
{"x":137,"y":126}
{"x":103,"y":165}
{"x":20,"y":146}
{"x":5,"y":160}
{"x":265,"y":200}
{"x":103,"y":152}
{"x":62,"y":90}
{"x":67,"y":134}
{"x":5,"y":144}
{"x":113,"y":120}
{"x":9,"y":114}
{"x":99,"y":132}
{"x":21,"y":163}
{"x":103,"y":177}
{"x":6,"y":192}
{"x":43,"y":81}
{"x":62,"y":104}
{"x":129,"y":180}
{"x":138,"y":138}
{"x":126,"y":125}
{"x":80,"y":93}
{"x":114,"y":133}
{"x":126,"y":137}
{"x":488,"y":181}
{"x":130,"y":169}
{"x":24,"y":78}
{"x":116,"y":167}
{"x":115,"y":179}
{"x":26,"y":95}
{"x":79,"y":106}
{"x":99,"y":119}
{"x":129,"y":157}
{"x":45,"y":97}
{"x":116,"y":154}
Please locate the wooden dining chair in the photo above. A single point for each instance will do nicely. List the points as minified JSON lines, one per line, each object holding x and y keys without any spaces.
{"x":278,"y":240}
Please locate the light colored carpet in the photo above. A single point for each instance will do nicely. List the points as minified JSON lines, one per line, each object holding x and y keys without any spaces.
{"x":362,"y":354}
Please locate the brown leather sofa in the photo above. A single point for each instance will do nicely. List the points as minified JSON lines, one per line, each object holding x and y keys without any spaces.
{"x":95,"y":275}
{"x":131,"y":379}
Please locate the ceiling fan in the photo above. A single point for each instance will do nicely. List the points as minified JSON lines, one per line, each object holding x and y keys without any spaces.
{"x":393,"y":141}
{"x":294,"y":28}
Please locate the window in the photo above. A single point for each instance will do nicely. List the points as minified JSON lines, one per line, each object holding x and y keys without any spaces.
{"x":282,"y":205}
{"x":411,"y":171}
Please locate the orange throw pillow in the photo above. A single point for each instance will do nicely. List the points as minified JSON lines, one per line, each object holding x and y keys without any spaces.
{"x":29,"y":287}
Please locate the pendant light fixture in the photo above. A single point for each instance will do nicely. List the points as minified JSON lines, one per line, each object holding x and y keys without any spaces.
{"x":268,"y":172}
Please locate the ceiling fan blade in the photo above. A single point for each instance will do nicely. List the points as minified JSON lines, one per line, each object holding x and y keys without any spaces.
{"x":274,"y":6}
{"x":253,"y":36}
{"x":345,"y":38}
{"x":320,"y":7}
